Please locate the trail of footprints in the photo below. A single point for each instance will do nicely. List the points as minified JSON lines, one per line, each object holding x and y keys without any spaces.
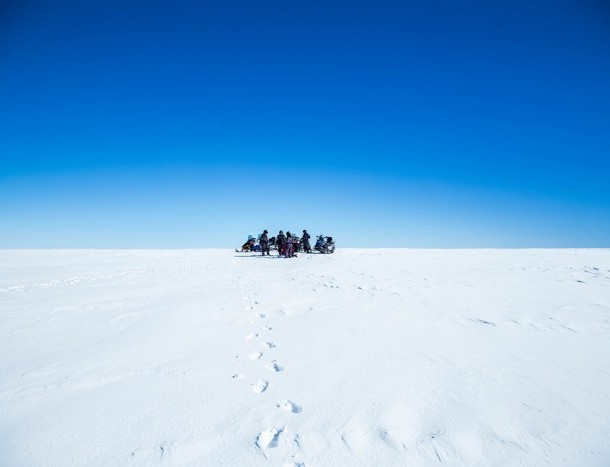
{"x":269,"y":438}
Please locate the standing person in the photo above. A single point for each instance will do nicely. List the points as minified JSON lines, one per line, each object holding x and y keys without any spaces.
{"x":289,"y":250}
{"x":305,"y":240}
{"x":281,"y":243}
{"x":264,"y":241}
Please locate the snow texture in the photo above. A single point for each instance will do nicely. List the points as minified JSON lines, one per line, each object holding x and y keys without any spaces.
{"x":361,"y":358}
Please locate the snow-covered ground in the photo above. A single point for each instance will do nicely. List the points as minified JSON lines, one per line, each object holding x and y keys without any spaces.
{"x":362,"y":358}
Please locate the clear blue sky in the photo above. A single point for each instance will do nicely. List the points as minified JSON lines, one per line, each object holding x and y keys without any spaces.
{"x":416,"y":124}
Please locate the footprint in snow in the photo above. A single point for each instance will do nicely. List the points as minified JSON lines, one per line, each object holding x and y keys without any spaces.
{"x":269,"y":438}
{"x":269,"y":345}
{"x":261,"y":316}
{"x":255,"y":355}
{"x":267,"y":328}
{"x":237,"y":376}
{"x":252,"y":336}
{"x":260,"y":386}
{"x":274,"y":366}
{"x":289,"y":406}
{"x":483,"y":321}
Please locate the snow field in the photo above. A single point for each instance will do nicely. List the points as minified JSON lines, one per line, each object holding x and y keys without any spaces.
{"x":364,"y":357}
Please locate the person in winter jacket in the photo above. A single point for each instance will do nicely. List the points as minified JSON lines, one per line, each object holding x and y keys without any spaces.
{"x":264,"y":242}
{"x":305,"y":241}
{"x":289,"y":245}
{"x":281,"y":243}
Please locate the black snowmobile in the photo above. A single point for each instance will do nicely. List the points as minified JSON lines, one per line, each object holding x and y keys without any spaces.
{"x":325,"y":245}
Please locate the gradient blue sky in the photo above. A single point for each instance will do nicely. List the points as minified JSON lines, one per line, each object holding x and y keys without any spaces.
{"x":416,"y":124}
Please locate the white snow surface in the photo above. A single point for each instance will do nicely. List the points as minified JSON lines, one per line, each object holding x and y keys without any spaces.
{"x":387,"y":357}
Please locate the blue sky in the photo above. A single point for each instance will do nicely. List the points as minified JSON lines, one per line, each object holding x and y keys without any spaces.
{"x":416,"y":124}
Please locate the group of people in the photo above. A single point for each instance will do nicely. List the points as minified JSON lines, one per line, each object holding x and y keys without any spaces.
{"x":286,"y":244}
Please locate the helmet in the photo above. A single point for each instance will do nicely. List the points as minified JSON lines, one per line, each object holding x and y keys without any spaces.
{"x":282,"y":232}
{"x":265,"y":231}
{"x":304,"y":231}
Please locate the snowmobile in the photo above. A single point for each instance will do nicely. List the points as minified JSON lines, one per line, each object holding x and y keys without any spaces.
{"x":249,"y":246}
{"x":296,"y":244}
{"x":324,"y":245}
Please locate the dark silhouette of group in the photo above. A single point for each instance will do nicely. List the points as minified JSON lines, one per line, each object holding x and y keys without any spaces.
{"x":286,"y":244}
